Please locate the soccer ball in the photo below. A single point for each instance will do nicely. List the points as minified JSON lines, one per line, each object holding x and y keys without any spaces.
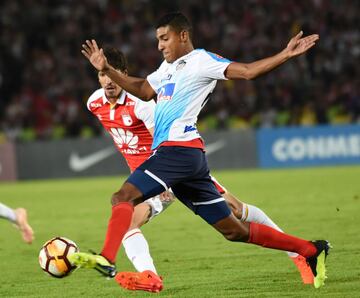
{"x":53,"y":256}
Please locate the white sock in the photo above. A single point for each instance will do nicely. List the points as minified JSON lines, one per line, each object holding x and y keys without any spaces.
{"x":137,"y":250}
{"x":7,"y":213}
{"x":254,"y":214}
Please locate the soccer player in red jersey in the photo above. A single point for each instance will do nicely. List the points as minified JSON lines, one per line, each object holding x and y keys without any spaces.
{"x":181,"y":85}
{"x":130,"y":123}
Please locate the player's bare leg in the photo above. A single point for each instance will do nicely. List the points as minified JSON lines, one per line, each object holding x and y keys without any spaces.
{"x":141,"y":216}
{"x":249,"y":213}
{"x":19,"y":218}
{"x":23,"y":225}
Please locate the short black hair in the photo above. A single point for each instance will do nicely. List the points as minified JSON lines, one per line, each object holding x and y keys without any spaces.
{"x":177,"y":21}
{"x":115,"y":58}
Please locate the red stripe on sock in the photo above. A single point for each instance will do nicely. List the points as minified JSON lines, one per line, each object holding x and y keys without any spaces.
{"x":119,"y":224}
{"x":132,"y":235}
{"x":268,"y":237}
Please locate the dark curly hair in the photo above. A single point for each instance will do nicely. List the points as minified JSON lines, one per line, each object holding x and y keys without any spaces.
{"x":115,"y":58}
{"x":177,"y":21}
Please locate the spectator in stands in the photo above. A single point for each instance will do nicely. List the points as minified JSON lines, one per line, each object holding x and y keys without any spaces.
{"x":38,"y":100}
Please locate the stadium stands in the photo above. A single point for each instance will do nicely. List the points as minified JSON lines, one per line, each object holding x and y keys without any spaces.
{"x":45,"y":81}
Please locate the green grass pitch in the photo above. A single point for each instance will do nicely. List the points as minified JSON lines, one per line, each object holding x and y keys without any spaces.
{"x":193,"y":259}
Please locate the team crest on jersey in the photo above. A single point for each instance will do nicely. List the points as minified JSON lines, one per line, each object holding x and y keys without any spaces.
{"x":181,"y":65}
{"x":166,"y":92}
{"x":127,"y":119}
{"x":167,"y":78}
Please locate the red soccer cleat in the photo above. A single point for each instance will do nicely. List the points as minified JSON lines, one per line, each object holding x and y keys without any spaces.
{"x":304,"y":269}
{"x":144,"y":281}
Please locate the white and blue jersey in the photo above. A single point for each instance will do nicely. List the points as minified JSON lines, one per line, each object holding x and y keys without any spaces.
{"x":182,"y":89}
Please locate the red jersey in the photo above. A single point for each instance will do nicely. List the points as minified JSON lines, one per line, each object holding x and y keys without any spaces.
{"x":127,"y":122}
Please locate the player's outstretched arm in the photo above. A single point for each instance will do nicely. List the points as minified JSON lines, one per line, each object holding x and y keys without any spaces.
{"x":136,"y":86}
{"x":296,"y":46}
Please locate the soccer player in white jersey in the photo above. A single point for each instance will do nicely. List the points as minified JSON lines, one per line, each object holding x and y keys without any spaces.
{"x":181,"y":86}
{"x":18,"y":217}
{"x":129,"y":121}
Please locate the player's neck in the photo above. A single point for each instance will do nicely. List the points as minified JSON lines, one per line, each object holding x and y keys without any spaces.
{"x":113,"y":102}
{"x":113,"y":99}
{"x":188,"y":49}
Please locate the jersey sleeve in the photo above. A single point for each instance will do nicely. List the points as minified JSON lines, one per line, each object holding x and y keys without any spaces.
{"x":88,"y":105}
{"x":95,"y":96}
{"x":213,"y":66}
{"x":144,"y":110}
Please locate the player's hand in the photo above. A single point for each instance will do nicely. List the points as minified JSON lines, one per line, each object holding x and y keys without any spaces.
{"x":166,"y":196}
{"x":95,"y":55}
{"x":299,"y":45}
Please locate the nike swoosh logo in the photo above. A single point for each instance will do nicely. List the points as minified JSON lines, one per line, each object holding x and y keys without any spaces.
{"x":213,"y":147}
{"x":79,"y":164}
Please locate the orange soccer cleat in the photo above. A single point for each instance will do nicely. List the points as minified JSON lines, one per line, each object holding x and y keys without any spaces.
{"x":304,"y":269}
{"x":144,"y":281}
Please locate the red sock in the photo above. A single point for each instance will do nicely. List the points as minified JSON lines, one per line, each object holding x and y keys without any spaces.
{"x":119,"y":224}
{"x":271,"y":238}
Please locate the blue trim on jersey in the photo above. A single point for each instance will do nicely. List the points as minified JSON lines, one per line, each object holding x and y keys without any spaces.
{"x":174,"y":98}
{"x":217,"y":57}
{"x":168,"y":111}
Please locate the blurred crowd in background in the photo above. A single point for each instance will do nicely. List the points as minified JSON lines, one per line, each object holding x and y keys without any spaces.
{"x":45,"y":81}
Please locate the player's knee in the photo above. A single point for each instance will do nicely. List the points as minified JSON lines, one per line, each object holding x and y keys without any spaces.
{"x":236,"y":211}
{"x":237,"y":235}
{"x":120,"y":197}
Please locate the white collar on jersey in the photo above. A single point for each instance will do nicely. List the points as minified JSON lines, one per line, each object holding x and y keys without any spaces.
{"x":120,"y":100}
{"x":182,"y":58}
